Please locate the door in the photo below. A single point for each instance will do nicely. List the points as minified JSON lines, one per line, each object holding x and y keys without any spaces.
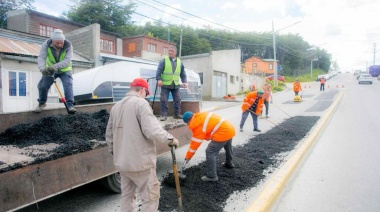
{"x":219,"y":84}
{"x":16,"y":91}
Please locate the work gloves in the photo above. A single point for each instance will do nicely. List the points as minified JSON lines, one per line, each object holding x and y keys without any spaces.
{"x":48,"y":71}
{"x":173,"y":142}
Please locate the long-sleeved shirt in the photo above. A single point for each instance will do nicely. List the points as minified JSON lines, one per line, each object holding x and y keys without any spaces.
{"x":41,"y":60}
{"x":160,"y":70}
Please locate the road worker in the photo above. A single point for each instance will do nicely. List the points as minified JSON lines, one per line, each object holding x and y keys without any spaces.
{"x":267,"y":97}
{"x":131,"y":134}
{"x":297,"y":87}
{"x":252,"y":103}
{"x":322,"y":88}
{"x":209,"y":126}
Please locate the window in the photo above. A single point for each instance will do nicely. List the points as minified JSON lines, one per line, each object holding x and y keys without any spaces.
{"x":17,"y":83}
{"x":166,"y":51}
{"x":270,"y":66}
{"x":151,"y":47}
{"x":201,"y":77}
{"x":237,"y":79}
{"x":106,"y":45}
{"x":232,"y":79}
{"x":46,"y":30}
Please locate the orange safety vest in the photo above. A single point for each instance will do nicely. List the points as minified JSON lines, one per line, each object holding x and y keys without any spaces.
{"x":297,"y":86}
{"x":249,"y":100}
{"x":323,"y":80}
{"x":206,"y":126}
{"x":267,"y":91}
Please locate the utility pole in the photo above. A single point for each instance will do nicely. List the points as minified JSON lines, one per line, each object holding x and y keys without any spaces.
{"x":374,"y":53}
{"x":168,"y":34}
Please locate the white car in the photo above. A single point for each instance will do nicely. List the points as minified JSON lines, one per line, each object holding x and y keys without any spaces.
{"x":365,"y":78}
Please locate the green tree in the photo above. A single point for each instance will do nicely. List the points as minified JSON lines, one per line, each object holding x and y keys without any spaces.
{"x":9,"y":5}
{"x":111,"y":15}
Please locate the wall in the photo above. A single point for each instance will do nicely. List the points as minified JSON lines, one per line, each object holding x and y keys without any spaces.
{"x":87,"y":41}
{"x":228,"y":61}
{"x":201,"y":64}
{"x":18,"y":20}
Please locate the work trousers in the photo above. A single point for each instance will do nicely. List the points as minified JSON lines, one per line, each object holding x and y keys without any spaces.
{"x":266,"y":103}
{"x":322,"y":88}
{"x":164,"y":100}
{"x":244,"y":117}
{"x":296,"y":93}
{"x":146,"y":184}
{"x":212,"y":151}
{"x":46,"y":81}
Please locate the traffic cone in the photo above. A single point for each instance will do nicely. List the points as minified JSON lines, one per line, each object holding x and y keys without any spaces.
{"x":309,"y":86}
{"x":305,"y":86}
{"x":328,"y":86}
{"x":343,"y":86}
{"x":337,"y":86}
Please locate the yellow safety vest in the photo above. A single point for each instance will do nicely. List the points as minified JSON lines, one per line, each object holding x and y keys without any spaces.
{"x":168,"y":76}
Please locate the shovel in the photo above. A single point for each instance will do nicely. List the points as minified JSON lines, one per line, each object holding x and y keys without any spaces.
{"x":62,"y":97}
{"x":176,"y":177}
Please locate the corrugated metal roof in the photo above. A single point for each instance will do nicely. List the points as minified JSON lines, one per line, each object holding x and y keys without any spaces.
{"x":17,"y":47}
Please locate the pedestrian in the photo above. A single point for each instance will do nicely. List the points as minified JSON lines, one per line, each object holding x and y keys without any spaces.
{"x":131,"y":134}
{"x":253,"y":103}
{"x":322,"y":88}
{"x":267,"y":97}
{"x":297,"y":87}
{"x":54,"y":61}
{"x":169,"y":70}
{"x":253,"y":87}
{"x":209,"y":126}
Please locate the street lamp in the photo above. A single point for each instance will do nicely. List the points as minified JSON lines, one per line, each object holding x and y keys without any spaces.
{"x":274,"y":52}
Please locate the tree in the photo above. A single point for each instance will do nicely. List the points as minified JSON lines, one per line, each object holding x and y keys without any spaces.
{"x":111,"y":15}
{"x":9,"y":5}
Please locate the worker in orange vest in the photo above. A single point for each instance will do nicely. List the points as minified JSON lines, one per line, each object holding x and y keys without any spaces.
{"x":209,"y":126}
{"x":297,"y":87}
{"x":267,"y":97}
{"x":252,"y":103}
{"x":323,"y":80}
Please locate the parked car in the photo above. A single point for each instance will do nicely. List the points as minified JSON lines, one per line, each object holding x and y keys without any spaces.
{"x":378,"y":77}
{"x":279,"y":78}
{"x":326,"y":76}
{"x":365,"y":78}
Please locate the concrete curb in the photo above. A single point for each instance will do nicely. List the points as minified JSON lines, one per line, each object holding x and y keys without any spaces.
{"x":276,"y":183}
{"x":221,"y":106}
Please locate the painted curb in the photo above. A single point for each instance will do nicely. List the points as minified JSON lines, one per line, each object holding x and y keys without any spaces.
{"x":276,"y":183}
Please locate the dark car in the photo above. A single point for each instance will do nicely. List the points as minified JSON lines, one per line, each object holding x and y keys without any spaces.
{"x":279,"y":77}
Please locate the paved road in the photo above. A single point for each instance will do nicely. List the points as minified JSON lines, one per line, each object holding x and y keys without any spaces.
{"x":93,"y":197}
{"x":342,"y":171}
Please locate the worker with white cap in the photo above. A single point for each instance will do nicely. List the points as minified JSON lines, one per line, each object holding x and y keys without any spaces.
{"x":54,"y":61}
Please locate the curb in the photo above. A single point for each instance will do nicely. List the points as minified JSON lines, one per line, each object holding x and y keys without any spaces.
{"x":221,"y":107}
{"x":276,"y":183}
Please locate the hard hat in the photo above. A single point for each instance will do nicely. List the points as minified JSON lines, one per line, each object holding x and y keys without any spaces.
{"x":140,"y":82}
{"x":187,"y":116}
{"x":260,"y":91}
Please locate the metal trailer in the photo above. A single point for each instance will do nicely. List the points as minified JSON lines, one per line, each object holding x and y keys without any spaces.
{"x":33,"y":183}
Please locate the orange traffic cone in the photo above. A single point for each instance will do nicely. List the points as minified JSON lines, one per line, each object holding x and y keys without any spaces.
{"x":343,"y":86}
{"x":337,"y":86}
{"x":305,"y":86}
{"x":309,"y":86}
{"x":328,"y":86}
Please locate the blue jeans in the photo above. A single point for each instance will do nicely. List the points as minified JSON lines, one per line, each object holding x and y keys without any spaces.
{"x":244,"y":117}
{"x":212,"y":151}
{"x":46,"y":81}
{"x":164,"y":101}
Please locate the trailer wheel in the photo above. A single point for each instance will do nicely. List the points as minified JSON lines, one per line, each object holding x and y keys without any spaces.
{"x":112,"y":182}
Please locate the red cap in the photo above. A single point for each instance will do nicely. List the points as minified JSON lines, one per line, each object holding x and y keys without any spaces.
{"x":140,"y":82}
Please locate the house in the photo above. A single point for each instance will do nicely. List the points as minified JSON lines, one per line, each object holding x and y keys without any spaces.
{"x":19,"y":74}
{"x":220,"y":72}
{"x":258,"y":66}
{"x":146,"y":47}
{"x":90,"y":40}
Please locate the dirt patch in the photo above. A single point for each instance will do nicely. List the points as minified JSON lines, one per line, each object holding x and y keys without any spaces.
{"x":252,"y":161}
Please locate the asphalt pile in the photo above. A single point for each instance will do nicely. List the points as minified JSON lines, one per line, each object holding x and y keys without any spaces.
{"x":73,"y":133}
{"x":252,"y":161}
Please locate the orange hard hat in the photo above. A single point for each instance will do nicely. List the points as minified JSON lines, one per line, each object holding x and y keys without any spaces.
{"x":140,"y":82}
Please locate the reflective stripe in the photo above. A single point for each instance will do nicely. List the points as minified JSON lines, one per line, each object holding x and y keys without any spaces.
{"x":217,"y":126}
{"x":191,"y":150}
{"x":204,"y":128}
{"x":196,"y":140}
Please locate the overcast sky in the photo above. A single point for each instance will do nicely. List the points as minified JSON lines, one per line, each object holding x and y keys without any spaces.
{"x":347,"y":29}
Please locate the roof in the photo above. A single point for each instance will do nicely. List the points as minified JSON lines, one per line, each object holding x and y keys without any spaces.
{"x":17,"y":47}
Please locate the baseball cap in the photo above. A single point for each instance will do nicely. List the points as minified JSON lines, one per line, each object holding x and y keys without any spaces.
{"x":260,"y":91}
{"x":140,"y":82}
